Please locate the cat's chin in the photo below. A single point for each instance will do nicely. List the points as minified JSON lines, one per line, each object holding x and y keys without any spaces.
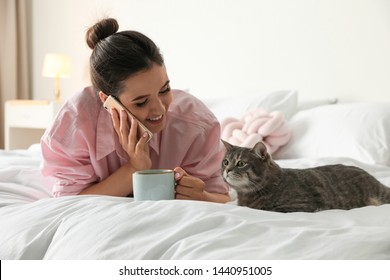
{"x":229,"y":180}
{"x":234,"y":183}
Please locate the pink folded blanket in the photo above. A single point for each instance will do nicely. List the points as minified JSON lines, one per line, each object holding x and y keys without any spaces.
{"x":257,"y":125}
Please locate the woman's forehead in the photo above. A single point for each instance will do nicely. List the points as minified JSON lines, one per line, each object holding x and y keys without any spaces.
{"x":146,"y":82}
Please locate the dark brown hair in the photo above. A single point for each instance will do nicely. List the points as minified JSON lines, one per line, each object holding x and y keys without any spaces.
{"x":118,"y":55}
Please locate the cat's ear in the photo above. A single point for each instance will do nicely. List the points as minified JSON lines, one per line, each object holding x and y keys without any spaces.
{"x":260,"y":149}
{"x":227,"y":145}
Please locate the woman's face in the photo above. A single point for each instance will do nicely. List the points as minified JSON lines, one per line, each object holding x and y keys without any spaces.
{"x":147,"y":95}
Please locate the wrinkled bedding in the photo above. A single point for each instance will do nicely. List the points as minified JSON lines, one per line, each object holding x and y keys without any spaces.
{"x":33,"y":225}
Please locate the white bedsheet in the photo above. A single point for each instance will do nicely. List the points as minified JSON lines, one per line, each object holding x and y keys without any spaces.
{"x":35,"y":226}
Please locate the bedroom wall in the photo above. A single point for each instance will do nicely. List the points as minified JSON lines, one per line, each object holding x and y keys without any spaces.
{"x":323,"y":48}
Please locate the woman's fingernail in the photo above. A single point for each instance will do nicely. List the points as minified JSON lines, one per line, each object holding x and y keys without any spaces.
{"x":177,"y":175}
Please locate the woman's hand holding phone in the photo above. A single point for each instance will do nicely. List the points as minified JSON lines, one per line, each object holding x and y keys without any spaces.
{"x":113,"y":103}
{"x":137,"y":149}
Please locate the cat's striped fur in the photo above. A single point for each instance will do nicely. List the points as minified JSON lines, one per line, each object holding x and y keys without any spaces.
{"x":261,"y":184}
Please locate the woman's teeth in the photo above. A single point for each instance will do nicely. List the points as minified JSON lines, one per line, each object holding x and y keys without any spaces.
{"x":156,"y":119}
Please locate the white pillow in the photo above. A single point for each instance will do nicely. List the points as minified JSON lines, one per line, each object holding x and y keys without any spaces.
{"x":309,"y":104}
{"x":234,"y":107}
{"x":356,"y":130}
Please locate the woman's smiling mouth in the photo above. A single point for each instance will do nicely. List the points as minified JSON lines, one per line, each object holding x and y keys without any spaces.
{"x":156,"y":120}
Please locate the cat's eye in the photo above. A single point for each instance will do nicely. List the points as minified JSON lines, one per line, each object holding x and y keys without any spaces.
{"x":225,"y":162}
{"x":241,"y":163}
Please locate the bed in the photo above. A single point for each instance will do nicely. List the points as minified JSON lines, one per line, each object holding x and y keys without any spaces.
{"x":33,"y":225}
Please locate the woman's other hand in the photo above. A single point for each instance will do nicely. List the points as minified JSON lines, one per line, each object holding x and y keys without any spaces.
{"x":188,"y":187}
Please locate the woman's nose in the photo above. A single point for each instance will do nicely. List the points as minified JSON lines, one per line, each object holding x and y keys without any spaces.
{"x":157,"y":106}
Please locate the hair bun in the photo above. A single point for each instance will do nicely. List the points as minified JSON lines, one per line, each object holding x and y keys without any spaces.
{"x":100,"y":31}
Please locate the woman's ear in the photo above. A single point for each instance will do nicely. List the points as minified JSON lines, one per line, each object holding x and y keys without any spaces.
{"x":103,"y":97}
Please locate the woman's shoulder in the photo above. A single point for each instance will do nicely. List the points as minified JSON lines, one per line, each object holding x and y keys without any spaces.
{"x":79,"y":114}
{"x":180,"y":95}
{"x":188,"y":108}
{"x":83,"y":97}
{"x":84,"y":104}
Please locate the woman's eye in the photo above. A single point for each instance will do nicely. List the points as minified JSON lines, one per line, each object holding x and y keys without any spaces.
{"x":241,"y":163}
{"x":225,"y":162}
{"x":141,"y":104}
{"x":166,"y":90}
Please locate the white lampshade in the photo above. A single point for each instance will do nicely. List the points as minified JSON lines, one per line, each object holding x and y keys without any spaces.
{"x":56,"y":65}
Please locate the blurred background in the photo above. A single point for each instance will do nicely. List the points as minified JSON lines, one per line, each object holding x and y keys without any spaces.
{"x":212,"y":48}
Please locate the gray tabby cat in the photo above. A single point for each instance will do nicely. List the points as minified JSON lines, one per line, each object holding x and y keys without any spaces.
{"x":261,"y":184}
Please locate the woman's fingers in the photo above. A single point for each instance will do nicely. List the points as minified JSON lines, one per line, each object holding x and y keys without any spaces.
{"x":133,"y":133}
{"x":179,"y":173}
{"x":142,"y":142}
{"x":115,"y":120}
{"x":121,"y":126}
{"x":124,"y":128}
{"x":127,"y":129}
{"x":189,"y":187}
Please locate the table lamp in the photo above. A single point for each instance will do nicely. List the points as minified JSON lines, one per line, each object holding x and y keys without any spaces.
{"x":56,"y":66}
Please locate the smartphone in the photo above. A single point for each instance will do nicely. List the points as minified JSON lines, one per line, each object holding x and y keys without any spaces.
{"x":113,"y":102}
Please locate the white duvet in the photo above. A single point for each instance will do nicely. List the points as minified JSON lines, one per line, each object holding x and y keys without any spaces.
{"x":35,"y":226}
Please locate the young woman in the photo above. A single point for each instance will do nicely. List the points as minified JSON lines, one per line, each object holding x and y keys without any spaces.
{"x":91,"y":151}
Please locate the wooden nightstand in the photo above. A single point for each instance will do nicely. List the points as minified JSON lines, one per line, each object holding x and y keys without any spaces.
{"x":27,"y":120}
